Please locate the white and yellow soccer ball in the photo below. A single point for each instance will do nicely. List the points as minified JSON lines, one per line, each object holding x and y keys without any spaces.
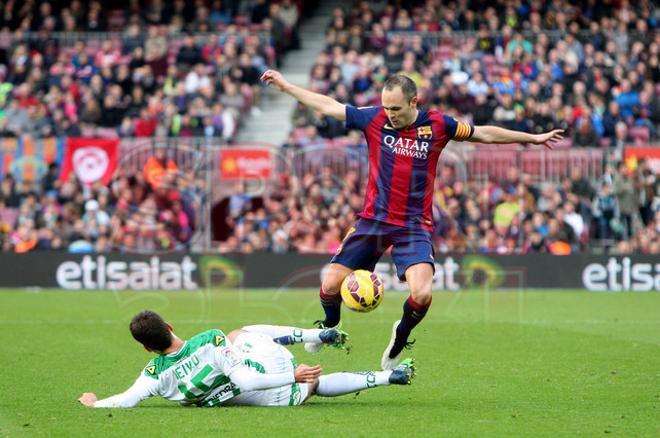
{"x":362,"y":291}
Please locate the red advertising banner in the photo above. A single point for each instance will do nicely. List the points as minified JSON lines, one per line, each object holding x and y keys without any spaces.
{"x":238,"y":163}
{"x":92,"y":159}
{"x":650,"y":153}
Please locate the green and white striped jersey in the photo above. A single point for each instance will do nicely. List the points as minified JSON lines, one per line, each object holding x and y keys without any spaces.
{"x":198,"y":373}
{"x":206,"y":371}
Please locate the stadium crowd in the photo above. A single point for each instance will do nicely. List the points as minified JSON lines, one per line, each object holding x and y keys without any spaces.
{"x":620,"y":212}
{"x":150,"y":210}
{"x":588,"y":67}
{"x":169,"y":69}
{"x":192,"y":68}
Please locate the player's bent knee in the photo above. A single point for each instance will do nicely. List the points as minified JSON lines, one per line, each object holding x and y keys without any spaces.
{"x":422,"y":296}
{"x":330,"y":287}
{"x":333,"y":277}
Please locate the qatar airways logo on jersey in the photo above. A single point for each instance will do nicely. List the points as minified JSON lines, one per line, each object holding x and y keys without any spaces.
{"x":407,"y":146}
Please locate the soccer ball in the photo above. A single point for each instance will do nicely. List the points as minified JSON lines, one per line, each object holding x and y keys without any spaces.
{"x":362,"y":291}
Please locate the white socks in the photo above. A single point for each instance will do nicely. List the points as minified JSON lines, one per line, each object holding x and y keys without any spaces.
{"x":330,"y":385}
{"x":286,"y":335}
{"x":335,"y":384}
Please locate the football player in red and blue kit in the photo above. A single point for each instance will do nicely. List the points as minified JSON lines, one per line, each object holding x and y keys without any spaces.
{"x":404,"y":145}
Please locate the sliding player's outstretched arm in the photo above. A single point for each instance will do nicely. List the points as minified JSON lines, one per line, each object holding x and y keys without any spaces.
{"x":323,"y":104}
{"x":495,"y":134}
{"x":143,"y":388}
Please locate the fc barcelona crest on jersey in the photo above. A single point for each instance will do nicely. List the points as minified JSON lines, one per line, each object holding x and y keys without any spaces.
{"x":424,"y":132}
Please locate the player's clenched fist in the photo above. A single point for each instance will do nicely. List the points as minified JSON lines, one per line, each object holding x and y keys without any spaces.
{"x":272,"y":77}
{"x":306,"y":374}
{"x":88,"y":399}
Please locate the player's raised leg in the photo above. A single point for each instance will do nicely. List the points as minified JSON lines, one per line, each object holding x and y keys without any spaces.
{"x":336,"y":384}
{"x":285,"y":335}
{"x":329,"y":292}
{"x":330,"y":300}
{"x":420,"y":281}
{"x":361,"y":248}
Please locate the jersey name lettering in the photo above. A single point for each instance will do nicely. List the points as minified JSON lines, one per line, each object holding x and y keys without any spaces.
{"x":186,"y":367}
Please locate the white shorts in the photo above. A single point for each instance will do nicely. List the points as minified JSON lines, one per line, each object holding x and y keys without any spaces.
{"x":265,"y":356}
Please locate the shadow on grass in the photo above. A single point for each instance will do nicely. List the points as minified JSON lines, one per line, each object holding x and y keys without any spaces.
{"x":314,"y":403}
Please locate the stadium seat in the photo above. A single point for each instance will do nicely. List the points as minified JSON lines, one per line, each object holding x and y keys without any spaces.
{"x":484,"y":163}
{"x":565,"y":143}
{"x":530,"y":162}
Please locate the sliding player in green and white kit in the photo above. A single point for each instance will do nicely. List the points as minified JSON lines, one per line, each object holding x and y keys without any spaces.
{"x":249,"y":366}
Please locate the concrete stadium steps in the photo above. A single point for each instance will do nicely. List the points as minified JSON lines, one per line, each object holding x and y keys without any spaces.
{"x":272,"y":122}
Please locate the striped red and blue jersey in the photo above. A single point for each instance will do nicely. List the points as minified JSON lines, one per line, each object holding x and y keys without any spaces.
{"x":402,"y":163}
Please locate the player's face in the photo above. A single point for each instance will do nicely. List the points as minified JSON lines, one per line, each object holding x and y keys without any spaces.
{"x":400,"y":111}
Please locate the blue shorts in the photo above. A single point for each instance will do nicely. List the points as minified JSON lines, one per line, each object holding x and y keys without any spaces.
{"x":367,"y":240}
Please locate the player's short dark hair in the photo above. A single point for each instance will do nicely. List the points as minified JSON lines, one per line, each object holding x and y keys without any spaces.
{"x":406,"y":84}
{"x":149,"y":329}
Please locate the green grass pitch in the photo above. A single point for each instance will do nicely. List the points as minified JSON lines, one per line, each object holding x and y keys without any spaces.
{"x":489,"y":363}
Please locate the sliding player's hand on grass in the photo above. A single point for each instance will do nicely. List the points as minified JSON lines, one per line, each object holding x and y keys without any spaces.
{"x":88,"y":399}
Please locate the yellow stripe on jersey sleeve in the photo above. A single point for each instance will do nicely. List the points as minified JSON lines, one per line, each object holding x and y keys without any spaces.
{"x":463,"y":131}
{"x":460,"y":131}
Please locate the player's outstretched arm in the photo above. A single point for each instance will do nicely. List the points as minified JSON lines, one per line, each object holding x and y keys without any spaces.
{"x":323,"y":104}
{"x":143,"y":388}
{"x":495,"y":134}
{"x":123,"y":400}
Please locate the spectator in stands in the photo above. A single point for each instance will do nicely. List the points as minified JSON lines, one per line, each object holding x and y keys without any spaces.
{"x":289,"y":14}
{"x":628,"y":99}
{"x":94,"y":214}
{"x":504,"y":113}
{"x":477,"y":86}
{"x":145,"y":125}
{"x":574,"y":219}
{"x":560,"y":231}
{"x":648,"y":186}
{"x":580,"y":185}
{"x":8,"y":194}
{"x":535,"y":244}
{"x":621,"y":139}
{"x":605,"y":212}
{"x":159,"y":169}
{"x":627,"y":198}
{"x":585,"y":134}
{"x":189,"y":54}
